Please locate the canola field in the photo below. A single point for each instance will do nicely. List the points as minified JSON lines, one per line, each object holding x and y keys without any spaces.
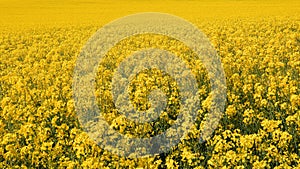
{"x":258,"y":43}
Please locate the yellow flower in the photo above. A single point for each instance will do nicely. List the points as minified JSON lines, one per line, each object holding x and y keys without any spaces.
{"x":231,"y":111}
{"x":260,"y":164}
{"x":270,"y":125}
